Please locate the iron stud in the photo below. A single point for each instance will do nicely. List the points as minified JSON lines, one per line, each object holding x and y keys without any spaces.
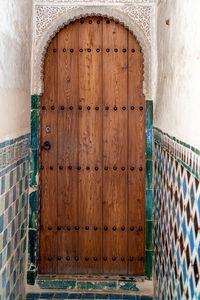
{"x":80,"y":107}
{"x":62,"y":107}
{"x":132,"y":168}
{"x":68,"y":228}
{"x":107,"y":107}
{"x":132,"y":107}
{"x":49,"y":228}
{"x":78,"y":168}
{"x":59,"y":227}
{"x":141,"y":108}
{"x":81,"y":21}
{"x":107,"y":50}
{"x":140,"y":258}
{"x":64,"y":50}
{"x":51,"y":167}
{"x":98,"y":21}
{"x":41,"y":167}
{"x":140,"y":168}
{"x":132,"y":228}
{"x":108,"y":22}
{"x":116,"y":22}
{"x":95,"y":228}
{"x":70,"y":167}
{"x":54,"y":50}
{"x":86,"y":227}
{"x":90,"y":22}
{"x":88,"y":108}
{"x":97,"y":50}
{"x":67,"y":258}
{"x":89,"y":50}
{"x":105,"y":228}
{"x":122,"y":259}
{"x":59,"y":258}
{"x":96,"y":168}
{"x":106,"y":168}
{"x":114,"y":228}
{"x":86,"y":258}
{"x":131,"y":258}
{"x":49,"y":258}
{"x":61,"y":167}
{"x":123,"y":228}
{"x":95,"y":258}
{"x":140,"y":228}
{"x":124,"y":108}
{"x":71,"y":107}
{"x":87,"y":168}
{"x":43,"y":107}
{"x":76,"y":258}
{"x":71,"y":50}
{"x":52,"y":107}
{"x":123,"y":168}
{"x":76,"y":227}
{"x":115,"y":108}
{"x":124,"y":50}
{"x":116,"y":50}
{"x":96,"y":108}
{"x":113,"y":258}
{"x":105,"y":258}
{"x":133,"y":50}
{"x":81,"y":50}
{"x":114,"y":168}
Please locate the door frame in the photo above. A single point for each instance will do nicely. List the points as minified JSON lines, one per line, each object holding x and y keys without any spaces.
{"x":34,"y":186}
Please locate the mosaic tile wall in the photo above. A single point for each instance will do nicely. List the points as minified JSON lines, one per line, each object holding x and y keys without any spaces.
{"x":14,"y":177}
{"x":34,"y":191}
{"x":177,"y":219}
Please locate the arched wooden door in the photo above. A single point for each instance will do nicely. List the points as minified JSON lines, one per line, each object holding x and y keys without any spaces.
{"x":93,"y":152}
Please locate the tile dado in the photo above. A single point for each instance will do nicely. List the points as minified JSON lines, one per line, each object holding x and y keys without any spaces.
{"x":176,"y":232}
{"x":14,"y":177}
{"x":34,"y":191}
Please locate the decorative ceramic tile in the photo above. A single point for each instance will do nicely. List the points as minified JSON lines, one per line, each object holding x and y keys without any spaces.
{"x":13,"y":215}
{"x":177,"y":220}
{"x":86,"y":296}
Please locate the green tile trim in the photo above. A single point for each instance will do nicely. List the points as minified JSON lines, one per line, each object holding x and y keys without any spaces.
{"x":33,"y":168}
{"x":149,"y":174}
{"x":34,"y":101}
{"x":58,"y":284}
{"x":34,"y":129}
{"x":148,"y":235}
{"x":32,"y":249}
{"x":31,"y":277}
{"x":128,"y":286}
{"x":149,"y":205}
{"x":149,"y":114}
{"x":96,"y":285}
{"x":149,"y":145}
{"x":33,"y":209}
{"x":148,"y":264}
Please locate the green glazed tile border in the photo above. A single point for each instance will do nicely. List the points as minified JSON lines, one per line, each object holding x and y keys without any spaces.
{"x":148,"y":235}
{"x":128,"y":286}
{"x":149,"y":205}
{"x":31,"y":277}
{"x":59,"y":284}
{"x":149,"y":174}
{"x":98,"y":285}
{"x":34,"y":129}
{"x":34,"y":102}
{"x":33,"y":168}
{"x":149,"y":145}
{"x":148,"y":263}
{"x":33,"y":207}
{"x":149,"y":114}
{"x":32,"y":238}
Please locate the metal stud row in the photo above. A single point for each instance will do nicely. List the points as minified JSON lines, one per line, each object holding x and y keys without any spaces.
{"x":106,"y":228}
{"x":105,"y":258}
{"x":89,"y":107}
{"x":71,"y":50}
{"x":90,"y":22}
{"x":106,"y":168}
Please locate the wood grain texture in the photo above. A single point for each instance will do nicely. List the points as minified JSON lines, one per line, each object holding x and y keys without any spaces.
{"x":93,"y":72}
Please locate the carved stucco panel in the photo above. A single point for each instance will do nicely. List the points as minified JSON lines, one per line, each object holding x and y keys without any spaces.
{"x":49,"y":19}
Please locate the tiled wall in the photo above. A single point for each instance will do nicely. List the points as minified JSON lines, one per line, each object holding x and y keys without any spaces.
{"x":177,"y":219}
{"x":34,"y":191}
{"x":14,"y":177}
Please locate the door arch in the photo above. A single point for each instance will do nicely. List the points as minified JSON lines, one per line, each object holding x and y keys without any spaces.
{"x":92,"y":178}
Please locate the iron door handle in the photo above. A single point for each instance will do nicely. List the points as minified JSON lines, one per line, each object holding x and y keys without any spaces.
{"x":46,"y":146}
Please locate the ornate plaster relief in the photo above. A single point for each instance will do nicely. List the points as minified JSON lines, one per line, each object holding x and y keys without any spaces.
{"x":52,"y":15}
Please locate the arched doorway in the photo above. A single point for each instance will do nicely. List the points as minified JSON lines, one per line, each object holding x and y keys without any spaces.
{"x":92,"y":174}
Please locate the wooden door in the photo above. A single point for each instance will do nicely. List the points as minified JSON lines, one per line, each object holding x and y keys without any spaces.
{"x":93,"y":152}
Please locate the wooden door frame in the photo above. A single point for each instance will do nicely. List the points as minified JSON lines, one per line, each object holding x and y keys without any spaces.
{"x":34,"y":190}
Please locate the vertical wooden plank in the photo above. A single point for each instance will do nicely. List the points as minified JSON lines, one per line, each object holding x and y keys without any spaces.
{"x":67,"y":148}
{"x":114,"y":147}
{"x":48,"y":243}
{"x":136,"y":158}
{"x":90,"y":146}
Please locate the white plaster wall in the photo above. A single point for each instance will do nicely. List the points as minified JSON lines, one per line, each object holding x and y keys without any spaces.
{"x":177,"y":109}
{"x":15,"y":59}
